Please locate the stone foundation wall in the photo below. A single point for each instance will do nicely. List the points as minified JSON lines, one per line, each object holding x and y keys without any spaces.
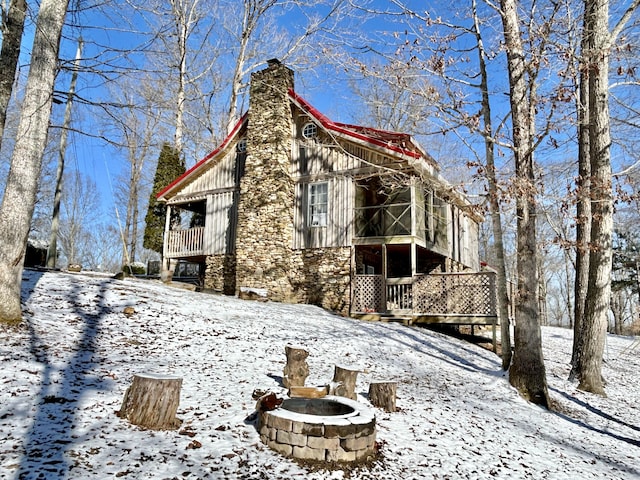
{"x":220,"y":273}
{"x":324,"y":277}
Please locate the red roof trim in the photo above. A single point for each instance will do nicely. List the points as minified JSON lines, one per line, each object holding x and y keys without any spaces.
{"x":221,"y":147}
{"x":349,"y":129}
{"x":354,"y":131}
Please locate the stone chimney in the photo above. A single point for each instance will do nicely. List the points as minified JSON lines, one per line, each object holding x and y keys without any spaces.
{"x":265,"y":210}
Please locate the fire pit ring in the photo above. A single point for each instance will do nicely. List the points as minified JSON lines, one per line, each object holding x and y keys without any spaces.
{"x":329,"y":429}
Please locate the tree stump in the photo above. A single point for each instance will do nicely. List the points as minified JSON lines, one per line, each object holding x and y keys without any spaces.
{"x":345,"y":380}
{"x":296,"y":370}
{"x":152,"y":401}
{"x":383,"y":395}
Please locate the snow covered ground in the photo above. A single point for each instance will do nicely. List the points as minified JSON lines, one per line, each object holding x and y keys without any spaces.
{"x":64,"y":373}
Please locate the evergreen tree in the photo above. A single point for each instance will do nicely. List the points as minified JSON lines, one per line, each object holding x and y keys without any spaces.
{"x":170,"y":166}
{"x":626,"y":258}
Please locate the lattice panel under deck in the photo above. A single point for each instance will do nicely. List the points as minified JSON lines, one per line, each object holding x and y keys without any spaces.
{"x":462,"y":294}
{"x":368,"y":293}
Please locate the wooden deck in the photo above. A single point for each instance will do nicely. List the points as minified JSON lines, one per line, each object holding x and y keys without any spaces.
{"x":443,"y":298}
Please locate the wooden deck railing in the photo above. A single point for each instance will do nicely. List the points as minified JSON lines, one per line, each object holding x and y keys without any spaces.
{"x":399,"y":294}
{"x":461,"y":294}
{"x":185,"y":243}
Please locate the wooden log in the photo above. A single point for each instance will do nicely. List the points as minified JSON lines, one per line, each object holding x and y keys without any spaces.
{"x":383,"y":395}
{"x":152,"y":401}
{"x":308,"y":392}
{"x":296,"y":370}
{"x":345,"y":381}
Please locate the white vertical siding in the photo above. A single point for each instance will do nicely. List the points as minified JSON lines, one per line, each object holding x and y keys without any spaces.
{"x":471,"y":243}
{"x":220,"y":223}
{"x":221,"y":175}
{"x":339,"y":229}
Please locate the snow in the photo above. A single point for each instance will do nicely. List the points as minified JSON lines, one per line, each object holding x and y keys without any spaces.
{"x":65,"y":371}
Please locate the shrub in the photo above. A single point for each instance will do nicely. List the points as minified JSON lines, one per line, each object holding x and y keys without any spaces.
{"x":134,"y":269}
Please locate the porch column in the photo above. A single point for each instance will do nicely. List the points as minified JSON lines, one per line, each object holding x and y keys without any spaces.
{"x":414,"y":208}
{"x":165,"y":237}
{"x":414,"y":259}
{"x":384,"y":276}
{"x":166,"y":267}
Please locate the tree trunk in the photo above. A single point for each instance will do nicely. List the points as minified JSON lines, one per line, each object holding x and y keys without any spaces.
{"x":296,"y":370}
{"x":346,"y":382}
{"x":383,"y":395}
{"x":182,"y":33}
{"x":494,"y":203}
{"x":152,"y":401}
{"x":527,"y":372}
{"x":600,"y":255}
{"x":21,"y":188}
{"x":11,"y":40}
{"x":583,"y":213}
{"x":248,"y":24}
{"x":52,"y":251}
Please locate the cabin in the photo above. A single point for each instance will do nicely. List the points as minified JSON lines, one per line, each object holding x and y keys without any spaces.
{"x":299,"y":208}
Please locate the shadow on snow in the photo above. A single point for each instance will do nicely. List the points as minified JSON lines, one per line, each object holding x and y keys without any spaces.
{"x":62,"y":387}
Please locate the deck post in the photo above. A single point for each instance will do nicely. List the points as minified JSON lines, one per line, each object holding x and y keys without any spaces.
{"x":384,"y":276}
{"x":165,"y":237}
{"x":495,"y":345}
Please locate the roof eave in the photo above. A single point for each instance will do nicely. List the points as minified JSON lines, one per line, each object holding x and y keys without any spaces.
{"x":344,"y":132}
{"x":194,"y":171}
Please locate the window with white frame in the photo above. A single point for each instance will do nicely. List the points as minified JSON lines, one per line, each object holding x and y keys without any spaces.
{"x":318,"y":204}
{"x":310,"y":130}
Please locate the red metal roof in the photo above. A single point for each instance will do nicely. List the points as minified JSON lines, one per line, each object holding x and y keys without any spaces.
{"x":395,"y":141}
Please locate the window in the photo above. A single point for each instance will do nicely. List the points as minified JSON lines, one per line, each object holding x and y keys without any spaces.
{"x":310,"y":130}
{"x":242,"y":145}
{"x":318,"y":204}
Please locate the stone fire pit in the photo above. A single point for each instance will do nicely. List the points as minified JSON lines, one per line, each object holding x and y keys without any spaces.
{"x":330,"y":429}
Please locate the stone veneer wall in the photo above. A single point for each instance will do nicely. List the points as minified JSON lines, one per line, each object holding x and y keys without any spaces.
{"x":265,"y":211}
{"x":220,"y":273}
{"x":324,"y":277}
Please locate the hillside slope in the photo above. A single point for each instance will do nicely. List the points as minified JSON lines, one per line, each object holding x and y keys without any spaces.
{"x":64,"y":373}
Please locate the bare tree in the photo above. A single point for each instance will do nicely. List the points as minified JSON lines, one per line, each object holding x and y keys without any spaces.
{"x":527,"y":372}
{"x":19,"y":197}
{"x":253,"y":12}
{"x":105,"y":253}
{"x":258,"y":16}
{"x":597,"y":45}
{"x":79,"y":213}
{"x":583,"y":210}
{"x":52,"y":252}
{"x":390,"y":100}
{"x":136,"y":129}
{"x":493,"y":196}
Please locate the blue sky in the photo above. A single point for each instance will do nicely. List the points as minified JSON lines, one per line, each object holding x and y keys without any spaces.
{"x":327,"y":87}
